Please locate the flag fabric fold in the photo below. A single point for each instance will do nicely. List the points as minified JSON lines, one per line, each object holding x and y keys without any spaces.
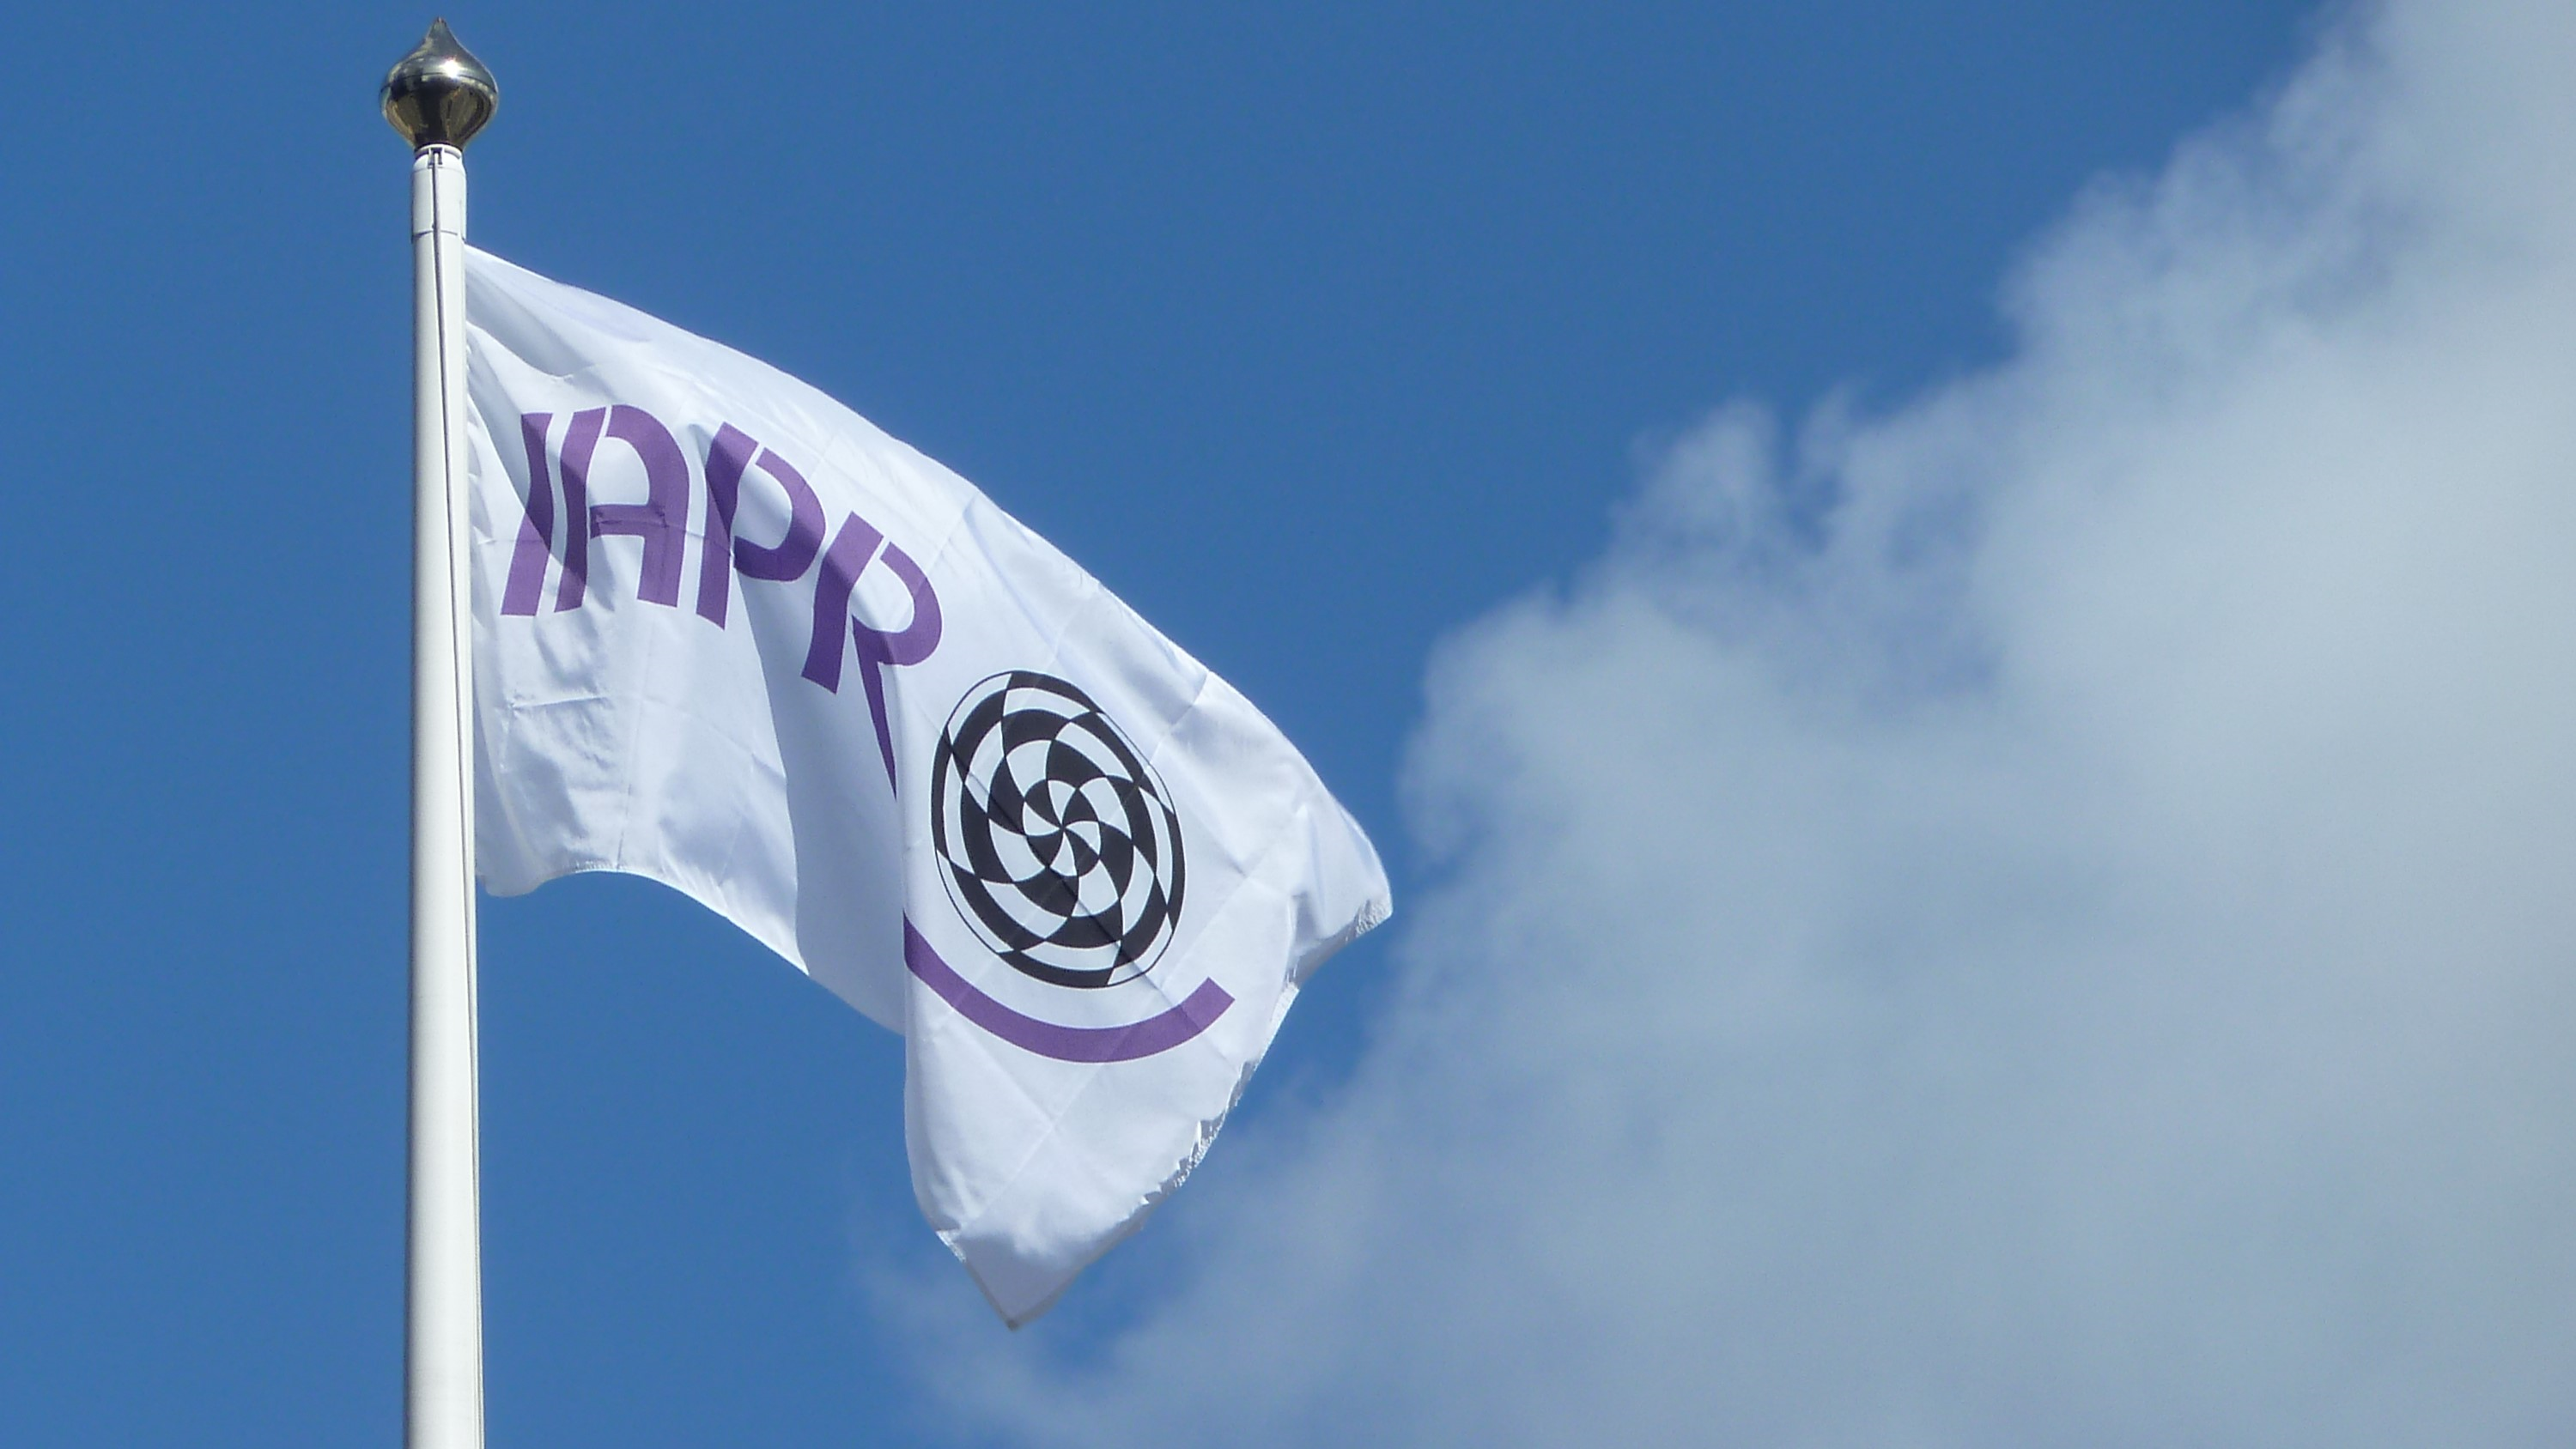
{"x":732,"y":637}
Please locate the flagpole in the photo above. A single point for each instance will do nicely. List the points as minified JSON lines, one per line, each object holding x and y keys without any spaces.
{"x":438,"y":97}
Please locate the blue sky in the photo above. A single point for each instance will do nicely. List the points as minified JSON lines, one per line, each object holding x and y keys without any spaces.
{"x":1323,"y":335}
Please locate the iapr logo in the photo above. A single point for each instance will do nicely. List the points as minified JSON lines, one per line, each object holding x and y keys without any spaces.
{"x":1059,"y":847}
{"x":661,"y":522}
{"x":1061,"y":850}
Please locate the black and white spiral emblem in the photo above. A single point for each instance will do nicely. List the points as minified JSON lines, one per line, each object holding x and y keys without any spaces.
{"x":1060,"y":845}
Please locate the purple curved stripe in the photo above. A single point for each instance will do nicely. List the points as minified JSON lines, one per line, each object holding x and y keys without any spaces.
{"x":1158,"y":1033}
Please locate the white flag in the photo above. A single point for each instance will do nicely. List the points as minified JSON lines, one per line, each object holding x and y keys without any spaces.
{"x":730,"y":636}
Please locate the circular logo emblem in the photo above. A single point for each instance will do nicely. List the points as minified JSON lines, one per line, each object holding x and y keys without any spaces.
{"x":1061,"y":847}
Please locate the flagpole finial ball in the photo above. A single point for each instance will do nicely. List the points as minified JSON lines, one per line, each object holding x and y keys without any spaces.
{"x":439,"y":95}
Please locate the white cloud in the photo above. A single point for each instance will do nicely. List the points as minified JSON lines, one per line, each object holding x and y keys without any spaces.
{"x":2047,"y":916}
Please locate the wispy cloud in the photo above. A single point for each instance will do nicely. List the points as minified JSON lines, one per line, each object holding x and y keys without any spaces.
{"x":2046,"y":915}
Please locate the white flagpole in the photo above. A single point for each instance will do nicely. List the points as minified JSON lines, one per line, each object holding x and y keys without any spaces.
{"x":438,"y":97}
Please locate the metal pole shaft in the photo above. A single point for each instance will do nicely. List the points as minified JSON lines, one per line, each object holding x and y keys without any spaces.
{"x":443,"y":1357}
